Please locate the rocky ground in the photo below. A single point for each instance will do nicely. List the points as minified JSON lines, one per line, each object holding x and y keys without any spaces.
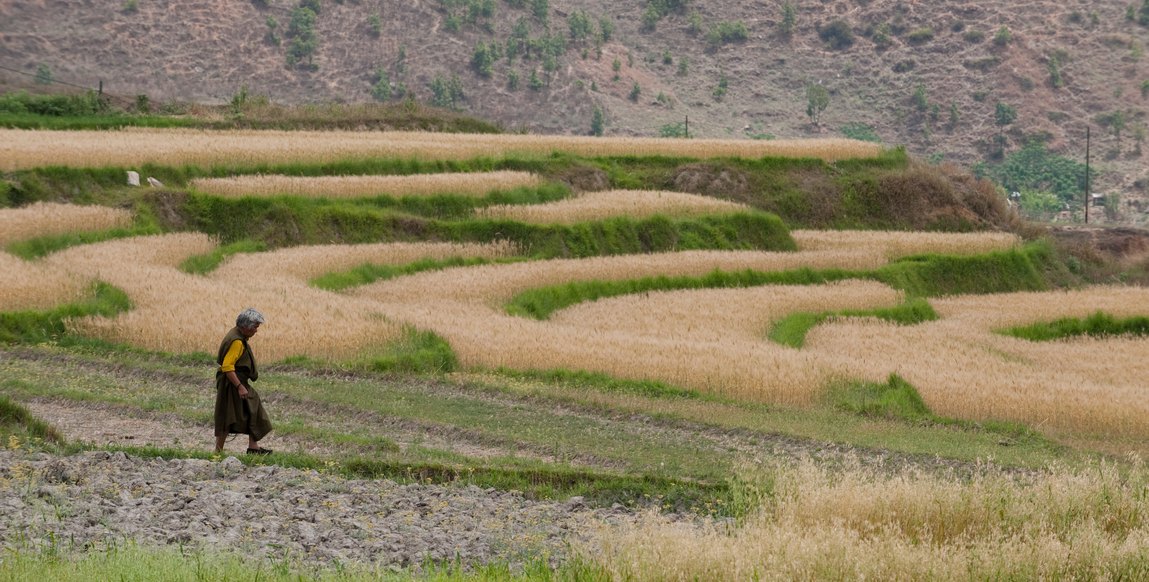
{"x":99,"y":499}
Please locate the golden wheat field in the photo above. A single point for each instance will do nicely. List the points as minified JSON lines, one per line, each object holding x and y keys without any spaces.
{"x":611,"y":203}
{"x":464,"y":184}
{"x":47,"y":218}
{"x":711,"y":340}
{"x":133,"y":147}
{"x":900,"y":244}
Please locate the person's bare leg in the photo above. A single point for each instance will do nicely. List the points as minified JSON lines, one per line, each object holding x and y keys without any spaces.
{"x":219,"y":442}
{"x":252,"y":443}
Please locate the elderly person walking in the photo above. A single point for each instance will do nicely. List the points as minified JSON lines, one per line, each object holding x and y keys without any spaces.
{"x":238,"y":409}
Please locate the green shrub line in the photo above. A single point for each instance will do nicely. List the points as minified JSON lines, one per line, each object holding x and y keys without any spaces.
{"x":35,"y":327}
{"x":918,"y":276}
{"x":291,"y":221}
{"x":206,"y":263}
{"x":45,"y":245}
{"x":791,"y":330}
{"x":368,"y":273}
{"x":1100,"y":324}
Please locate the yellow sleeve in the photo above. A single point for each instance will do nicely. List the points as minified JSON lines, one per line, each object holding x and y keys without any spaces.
{"x":233,"y":354}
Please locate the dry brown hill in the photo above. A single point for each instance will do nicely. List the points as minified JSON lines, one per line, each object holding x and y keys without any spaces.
{"x":926,"y":74}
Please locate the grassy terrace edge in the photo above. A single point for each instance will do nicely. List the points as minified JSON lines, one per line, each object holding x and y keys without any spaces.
{"x":918,"y":276}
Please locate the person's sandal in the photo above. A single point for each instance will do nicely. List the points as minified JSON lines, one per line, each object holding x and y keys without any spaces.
{"x":259,"y":451}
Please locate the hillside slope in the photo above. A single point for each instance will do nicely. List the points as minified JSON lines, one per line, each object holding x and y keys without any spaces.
{"x":926,"y":74}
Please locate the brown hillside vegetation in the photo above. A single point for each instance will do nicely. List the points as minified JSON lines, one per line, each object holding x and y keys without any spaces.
{"x":926,"y":74}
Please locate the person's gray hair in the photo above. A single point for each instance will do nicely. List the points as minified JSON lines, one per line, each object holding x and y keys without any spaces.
{"x":249,"y":318}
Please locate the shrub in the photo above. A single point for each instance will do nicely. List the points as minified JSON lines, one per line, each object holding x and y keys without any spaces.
{"x":635,"y":91}
{"x":974,"y":36}
{"x":1003,"y":36}
{"x":43,"y":74}
{"x":860,"y":131}
{"x":725,"y":33}
{"x":837,"y":34}
{"x":920,"y":36}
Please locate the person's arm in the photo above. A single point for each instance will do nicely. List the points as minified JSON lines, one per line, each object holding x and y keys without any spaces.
{"x":234,"y":351}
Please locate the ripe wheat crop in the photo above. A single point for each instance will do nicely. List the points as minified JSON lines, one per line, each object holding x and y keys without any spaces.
{"x":308,"y":262}
{"x":34,"y":285}
{"x":965,"y":370}
{"x":608,"y":204}
{"x":493,"y":284}
{"x":182,"y":313}
{"x":48,"y":218}
{"x":460,"y":184}
{"x":22,"y":149}
{"x":899,"y":244}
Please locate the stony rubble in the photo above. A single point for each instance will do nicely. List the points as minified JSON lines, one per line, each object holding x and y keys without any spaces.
{"x":98,"y":499}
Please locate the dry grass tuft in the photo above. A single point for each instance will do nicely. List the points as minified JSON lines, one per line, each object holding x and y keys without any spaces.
{"x":462,"y":184}
{"x":863,"y":524}
{"x":607,"y":204}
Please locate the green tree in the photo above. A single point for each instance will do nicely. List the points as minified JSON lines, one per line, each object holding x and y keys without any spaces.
{"x":1003,"y":36}
{"x":382,"y":90}
{"x":1003,"y":115}
{"x":635,"y":91}
{"x":43,"y":74}
{"x":597,"y":122}
{"x":301,"y":31}
{"x":1115,"y":122}
{"x":720,"y":91}
{"x":817,"y":100}
{"x":789,"y":20}
{"x":540,"y":9}
{"x":605,"y":28}
{"x":580,"y":26}
{"x":921,"y":102}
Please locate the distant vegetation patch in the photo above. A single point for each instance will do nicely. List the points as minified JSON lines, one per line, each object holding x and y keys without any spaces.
{"x":1099,"y":324}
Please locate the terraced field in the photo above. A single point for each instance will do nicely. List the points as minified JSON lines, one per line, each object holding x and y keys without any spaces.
{"x":684,"y":334}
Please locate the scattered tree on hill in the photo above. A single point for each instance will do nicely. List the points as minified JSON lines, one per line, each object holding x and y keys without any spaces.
{"x":43,"y":74}
{"x":580,"y":26}
{"x":789,"y":20}
{"x":1003,"y":36}
{"x":1114,"y":121}
{"x":1003,"y":115}
{"x":597,"y":122}
{"x":301,"y":31}
{"x":817,"y":100}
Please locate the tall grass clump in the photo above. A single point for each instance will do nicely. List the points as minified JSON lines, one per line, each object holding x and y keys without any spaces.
{"x":817,"y":523}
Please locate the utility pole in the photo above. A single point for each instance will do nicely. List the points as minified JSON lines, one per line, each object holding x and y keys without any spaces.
{"x":1088,"y":194}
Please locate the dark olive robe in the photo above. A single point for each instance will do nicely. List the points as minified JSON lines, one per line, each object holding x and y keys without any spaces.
{"x":232,"y":413}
